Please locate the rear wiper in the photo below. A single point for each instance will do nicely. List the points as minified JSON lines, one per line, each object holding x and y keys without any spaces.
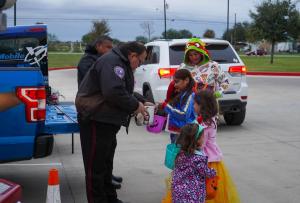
{"x":220,"y":60}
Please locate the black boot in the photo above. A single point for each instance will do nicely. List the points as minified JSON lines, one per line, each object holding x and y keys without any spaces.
{"x":116,"y":201}
{"x":118,"y":179}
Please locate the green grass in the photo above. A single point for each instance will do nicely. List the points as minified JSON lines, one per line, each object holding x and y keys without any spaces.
{"x":63,"y":59}
{"x":280,"y":64}
{"x":287,"y":63}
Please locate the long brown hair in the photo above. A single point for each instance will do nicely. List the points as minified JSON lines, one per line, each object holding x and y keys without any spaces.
{"x":187,"y":138}
{"x":208,"y":105}
{"x":182,"y":74}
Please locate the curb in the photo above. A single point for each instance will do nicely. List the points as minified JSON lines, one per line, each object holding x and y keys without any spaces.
{"x":274,"y":73}
{"x":61,"y":68}
{"x":248,"y":73}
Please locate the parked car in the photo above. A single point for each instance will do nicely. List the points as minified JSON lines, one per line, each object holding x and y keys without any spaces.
{"x":165,"y":56}
{"x":258,"y":52}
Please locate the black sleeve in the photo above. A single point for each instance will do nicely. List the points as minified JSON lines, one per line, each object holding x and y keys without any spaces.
{"x":84,"y":65}
{"x":114,"y":89}
{"x":140,"y":97}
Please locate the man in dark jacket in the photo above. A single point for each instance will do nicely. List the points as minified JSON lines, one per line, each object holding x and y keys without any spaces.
{"x":92,"y":52}
{"x":111,"y":82}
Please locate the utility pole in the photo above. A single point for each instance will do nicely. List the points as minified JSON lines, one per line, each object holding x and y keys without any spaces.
{"x":15,"y":14}
{"x":165,"y":20}
{"x":234,"y":36}
{"x":227,"y":30}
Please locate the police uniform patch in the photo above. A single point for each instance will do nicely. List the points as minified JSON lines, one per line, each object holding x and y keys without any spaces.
{"x":119,"y":71}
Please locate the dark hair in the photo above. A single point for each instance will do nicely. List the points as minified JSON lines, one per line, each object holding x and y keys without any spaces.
{"x":182,"y":74}
{"x":208,"y":105}
{"x":91,"y":48}
{"x":130,"y":47}
{"x":187,"y":138}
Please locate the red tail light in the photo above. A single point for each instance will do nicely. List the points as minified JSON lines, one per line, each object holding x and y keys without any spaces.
{"x":37,"y":29}
{"x":238,"y":70}
{"x":34,"y":99}
{"x":166,"y":72}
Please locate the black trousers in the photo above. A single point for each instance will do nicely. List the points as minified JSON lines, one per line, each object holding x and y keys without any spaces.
{"x":98,"y":143}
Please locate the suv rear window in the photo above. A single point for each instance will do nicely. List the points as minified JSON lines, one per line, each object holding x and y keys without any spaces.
{"x":221,"y":53}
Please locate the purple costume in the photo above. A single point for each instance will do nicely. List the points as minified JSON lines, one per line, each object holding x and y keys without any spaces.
{"x":188,"y":181}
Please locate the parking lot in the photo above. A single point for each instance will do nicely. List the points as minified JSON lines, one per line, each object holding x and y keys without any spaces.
{"x":262,"y":155}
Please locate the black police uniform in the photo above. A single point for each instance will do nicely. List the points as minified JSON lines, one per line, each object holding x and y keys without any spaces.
{"x":111,"y":77}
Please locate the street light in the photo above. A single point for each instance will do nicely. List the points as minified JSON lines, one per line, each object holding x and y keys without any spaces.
{"x":165,"y":20}
{"x":227,"y":30}
{"x":15,"y":14}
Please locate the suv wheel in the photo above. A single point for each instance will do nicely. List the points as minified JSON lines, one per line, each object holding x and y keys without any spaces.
{"x":235,"y":118}
{"x":149,"y":96}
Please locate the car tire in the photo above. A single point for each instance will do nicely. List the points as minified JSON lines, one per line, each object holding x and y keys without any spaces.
{"x":149,"y":96}
{"x":235,"y":118}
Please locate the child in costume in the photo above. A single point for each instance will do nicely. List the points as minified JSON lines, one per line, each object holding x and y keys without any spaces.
{"x":207,"y":74}
{"x":180,"y":106}
{"x":206,"y":106}
{"x":191,"y":170}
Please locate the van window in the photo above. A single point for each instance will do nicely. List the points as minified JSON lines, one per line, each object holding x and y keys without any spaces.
{"x":221,"y":53}
{"x":153,"y":53}
{"x":13,"y":49}
{"x":24,"y":52}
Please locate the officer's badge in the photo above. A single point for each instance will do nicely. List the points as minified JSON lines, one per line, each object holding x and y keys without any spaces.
{"x":119,"y":71}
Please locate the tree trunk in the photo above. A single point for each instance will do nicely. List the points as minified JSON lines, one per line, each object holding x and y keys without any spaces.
{"x":272,"y":51}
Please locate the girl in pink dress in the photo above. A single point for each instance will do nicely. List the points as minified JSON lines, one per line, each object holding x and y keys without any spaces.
{"x":206,"y":107}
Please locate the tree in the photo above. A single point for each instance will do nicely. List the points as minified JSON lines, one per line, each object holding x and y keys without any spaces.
{"x":52,"y":37}
{"x":142,"y":39}
{"x":116,"y":41}
{"x":240,"y":33}
{"x":209,"y":34}
{"x":276,"y":20}
{"x":185,"y":34}
{"x":175,"y":34}
{"x":99,"y":28}
{"x":148,"y":28}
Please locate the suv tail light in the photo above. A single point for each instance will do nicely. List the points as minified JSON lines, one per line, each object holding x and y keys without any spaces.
{"x":34,"y":99}
{"x":166,"y":72}
{"x":237,"y":70}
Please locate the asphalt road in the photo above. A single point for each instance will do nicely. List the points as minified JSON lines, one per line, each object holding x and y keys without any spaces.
{"x":262,"y":155}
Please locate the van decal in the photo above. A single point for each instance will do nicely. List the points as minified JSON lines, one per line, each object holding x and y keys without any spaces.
{"x":35,"y":55}
{"x":12,"y":56}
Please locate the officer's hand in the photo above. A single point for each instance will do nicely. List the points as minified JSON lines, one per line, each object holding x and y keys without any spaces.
{"x":149,"y":104}
{"x":141,"y":109}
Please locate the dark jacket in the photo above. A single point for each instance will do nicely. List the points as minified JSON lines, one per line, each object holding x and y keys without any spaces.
{"x":112,"y":78}
{"x":87,"y":60}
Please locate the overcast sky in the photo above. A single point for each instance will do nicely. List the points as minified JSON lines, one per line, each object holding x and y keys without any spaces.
{"x":70,"y":19}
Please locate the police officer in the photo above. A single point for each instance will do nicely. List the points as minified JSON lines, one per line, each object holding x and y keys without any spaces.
{"x":111,"y":80}
{"x":93,"y":51}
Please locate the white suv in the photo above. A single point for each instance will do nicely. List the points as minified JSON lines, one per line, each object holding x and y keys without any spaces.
{"x":164,"y":57}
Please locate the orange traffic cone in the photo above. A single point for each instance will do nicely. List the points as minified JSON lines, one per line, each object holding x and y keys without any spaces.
{"x":53,"y":193}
